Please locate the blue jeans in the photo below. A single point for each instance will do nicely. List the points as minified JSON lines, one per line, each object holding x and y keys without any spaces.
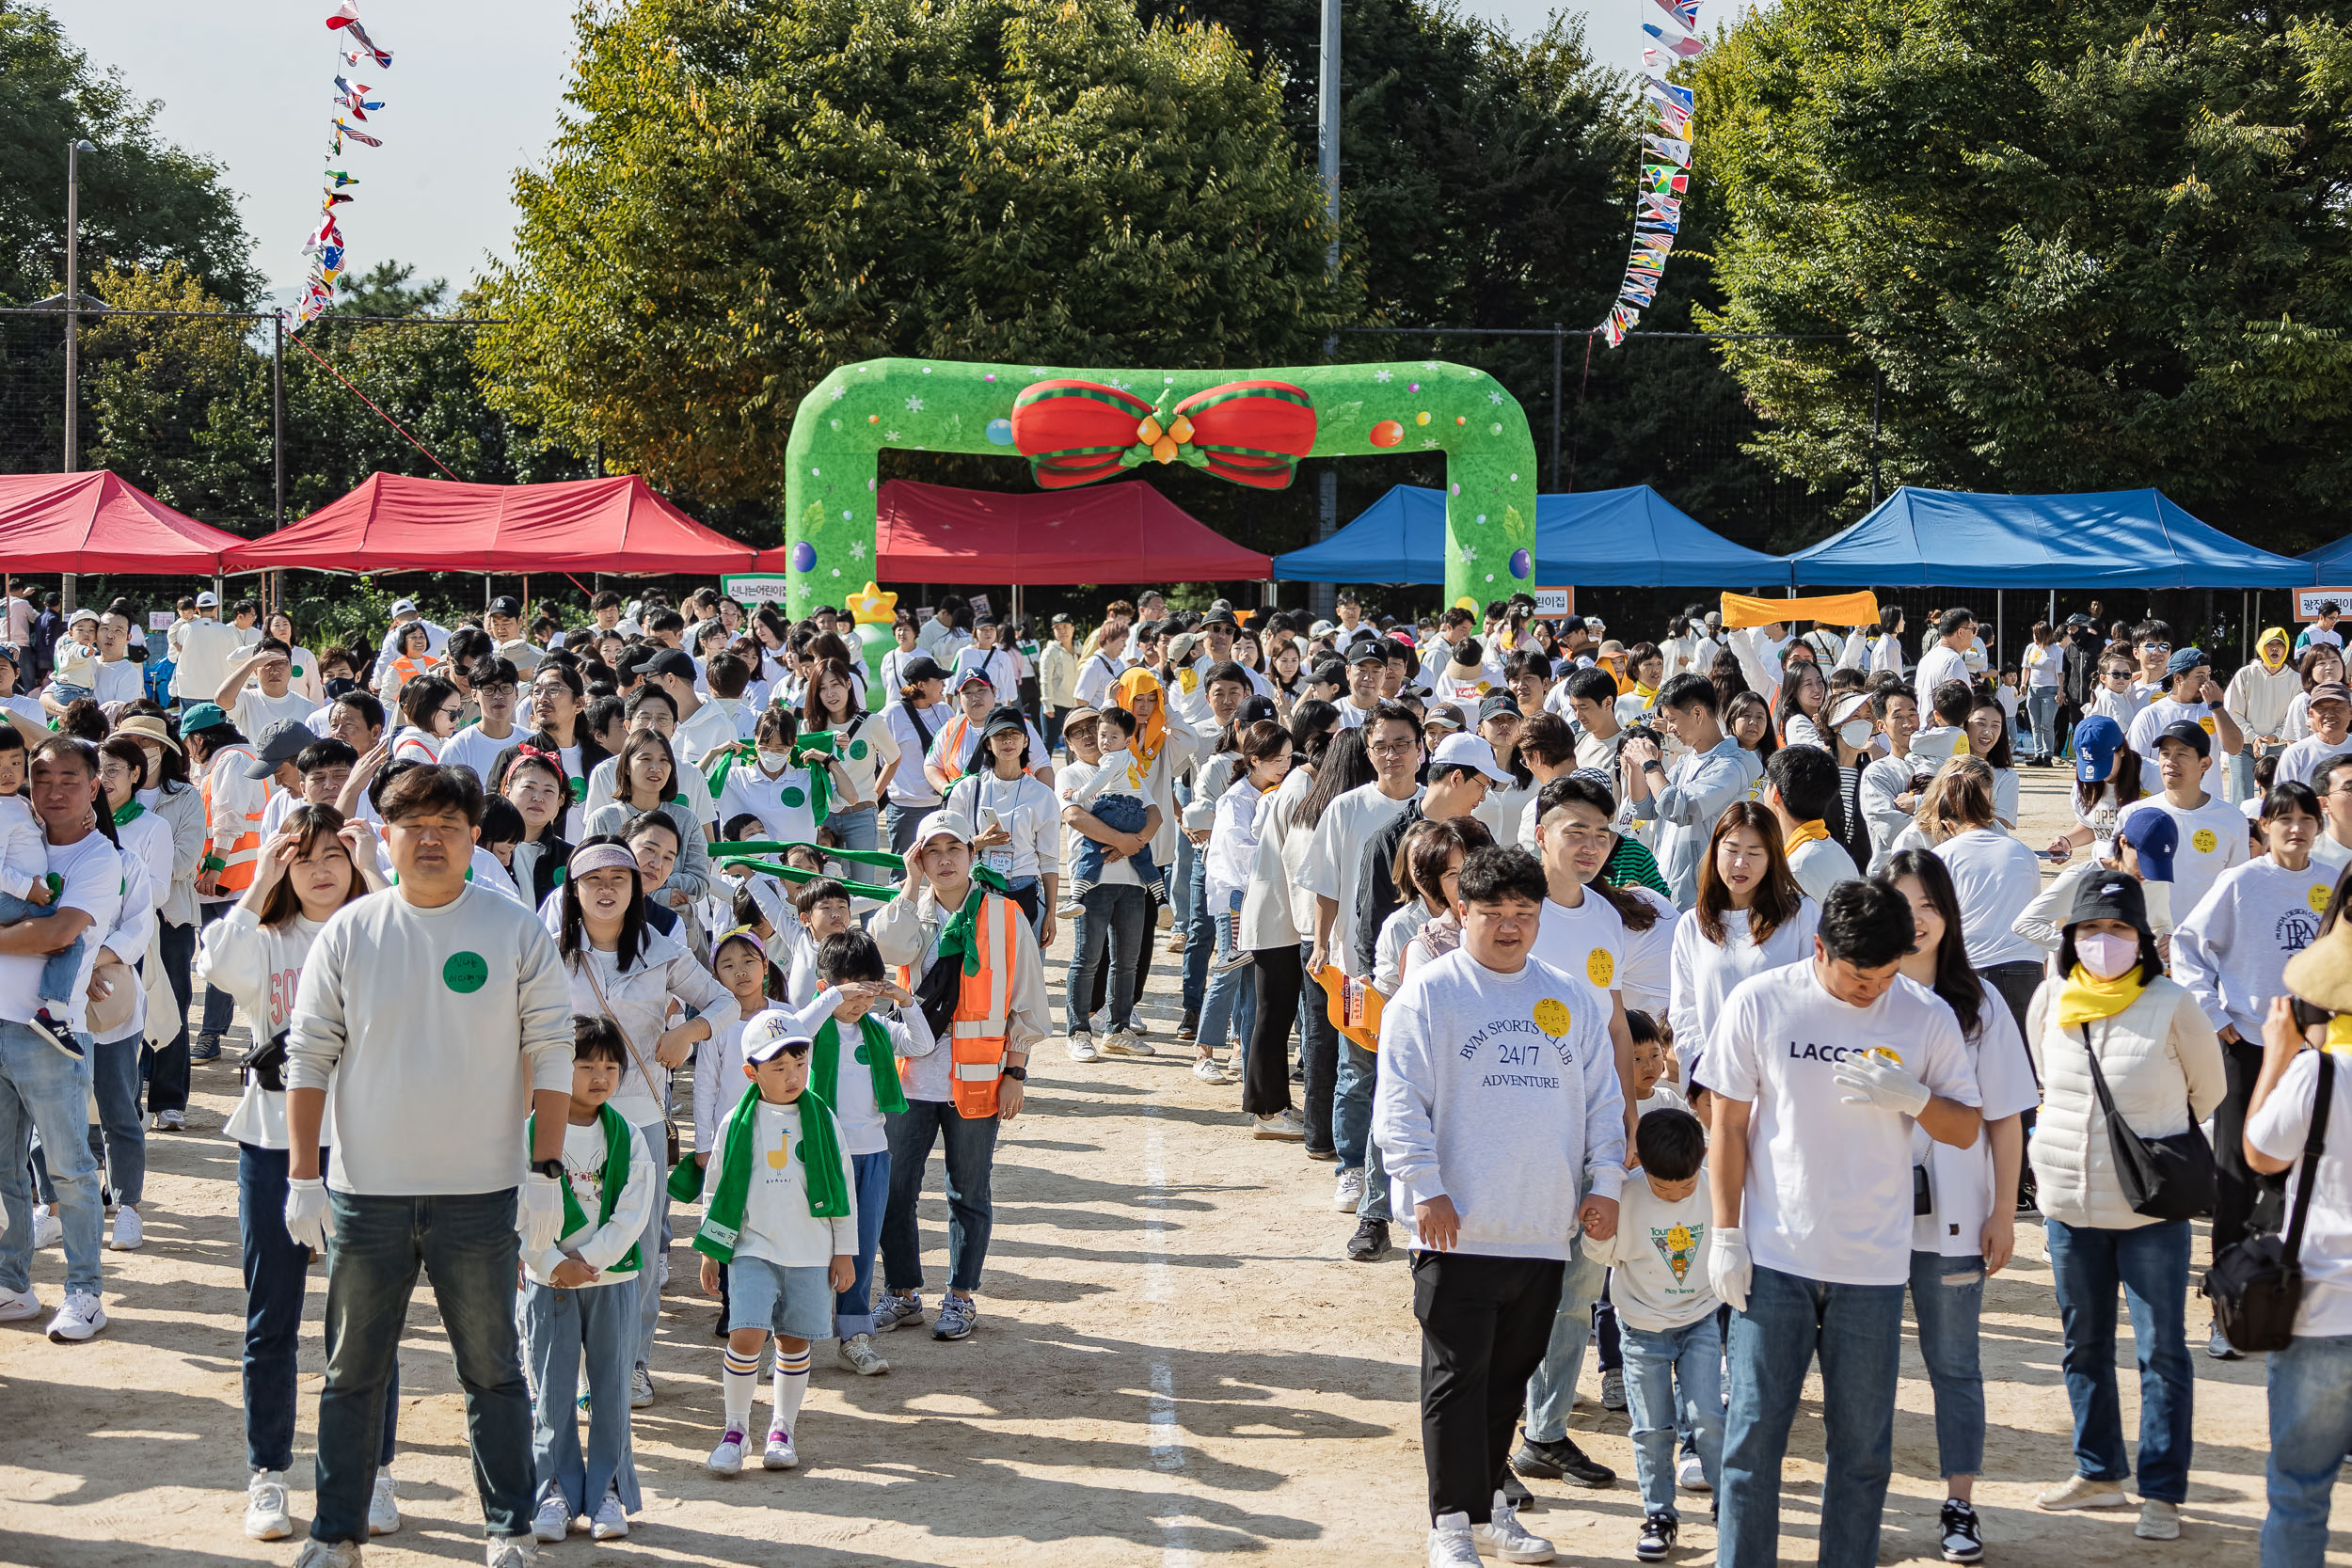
{"x":2042,"y":705}
{"x":43,"y":1091}
{"x":167,"y":1070}
{"x":1229,"y":1006}
{"x":1180,"y":884}
{"x":653,"y":1252}
{"x":117,"y":1140}
{"x":221,"y":1009}
{"x":275,"y":1273}
{"x":1947,"y":1298}
{"x":1858,"y":1332}
{"x":2238,"y":778}
{"x":1198,"y":927}
{"x":2150,"y":1263}
{"x":970,"y":1147}
{"x":2311,"y":1427}
{"x":467,"y":1243}
{"x":1114,"y":923}
{"x":1552,"y":1389}
{"x":853,"y":1308}
{"x":1351,"y":1122}
{"x":1673,"y":1380}
{"x":565,"y":1330}
{"x":59,"y":969}
{"x":856,"y":827}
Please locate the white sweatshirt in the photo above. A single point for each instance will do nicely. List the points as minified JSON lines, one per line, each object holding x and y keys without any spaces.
{"x":261,"y":966}
{"x":1658,"y":1256}
{"x":2232,"y":951}
{"x":430,"y":1029}
{"x":1500,"y":1092}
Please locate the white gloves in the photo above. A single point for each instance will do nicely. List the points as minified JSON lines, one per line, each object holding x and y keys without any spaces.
{"x":542,"y":1219}
{"x":1729,"y":1268}
{"x":308,"y":1220}
{"x":1877,"y":1080}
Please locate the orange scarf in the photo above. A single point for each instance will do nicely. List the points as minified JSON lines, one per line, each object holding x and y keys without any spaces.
{"x":1153,"y":734}
{"x":1804,"y":833}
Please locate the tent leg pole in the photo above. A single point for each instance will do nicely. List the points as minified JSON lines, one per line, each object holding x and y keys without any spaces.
{"x":2000,"y":630}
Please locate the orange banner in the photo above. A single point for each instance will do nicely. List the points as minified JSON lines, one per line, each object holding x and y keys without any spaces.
{"x":1836,"y":609}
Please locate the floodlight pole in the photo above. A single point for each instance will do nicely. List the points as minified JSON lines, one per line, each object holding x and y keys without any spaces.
{"x":1321,"y":595}
{"x":74,"y":150}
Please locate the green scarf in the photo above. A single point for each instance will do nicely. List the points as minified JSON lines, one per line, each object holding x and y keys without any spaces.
{"x":819,"y":777}
{"x":820,"y":1162}
{"x":874,"y":1051}
{"x":722,"y":760}
{"x":961,"y":934}
{"x":130,"y":813}
{"x":620,"y":1142}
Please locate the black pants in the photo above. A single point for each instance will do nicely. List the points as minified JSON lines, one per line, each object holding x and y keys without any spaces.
{"x":1265,"y":1089}
{"x":1485,"y":1322}
{"x":2244,"y":1199}
{"x":167,"y":1070}
{"x":2016,"y":982}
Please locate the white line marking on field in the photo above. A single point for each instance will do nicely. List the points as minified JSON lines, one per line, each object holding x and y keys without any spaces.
{"x":1167,"y":1436}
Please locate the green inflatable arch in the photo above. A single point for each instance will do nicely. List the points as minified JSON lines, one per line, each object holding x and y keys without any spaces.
{"x":1078,"y":426}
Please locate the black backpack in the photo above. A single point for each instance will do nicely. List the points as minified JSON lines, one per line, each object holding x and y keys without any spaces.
{"x":2257,"y":1284}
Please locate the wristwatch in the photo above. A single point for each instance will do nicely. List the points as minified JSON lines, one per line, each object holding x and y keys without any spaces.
{"x":1018,"y":1074}
{"x":1653,"y":763}
{"x":551,"y":1169}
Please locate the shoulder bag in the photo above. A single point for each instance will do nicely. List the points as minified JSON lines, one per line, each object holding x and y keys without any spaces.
{"x":2257,"y":1284}
{"x":668,"y":1128}
{"x":2164,"y":1179}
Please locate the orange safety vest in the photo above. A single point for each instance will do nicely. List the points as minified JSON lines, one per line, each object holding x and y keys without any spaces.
{"x":983,"y":1003}
{"x":237,"y":874}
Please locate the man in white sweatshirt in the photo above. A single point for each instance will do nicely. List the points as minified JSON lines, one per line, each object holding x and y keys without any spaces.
{"x":438,"y":1015}
{"x":1820,"y":1071}
{"x":1499,"y":1117}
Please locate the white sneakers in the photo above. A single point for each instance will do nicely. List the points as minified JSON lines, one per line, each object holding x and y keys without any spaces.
{"x":1210,"y":1071}
{"x":727,"y":1457}
{"x":328,"y":1554}
{"x":78,"y":1320}
{"x":640,"y":1388}
{"x":513,"y":1551}
{"x":17,"y":1306}
{"x":128,"y":1233}
{"x":1690,"y":1475}
{"x":780,"y":1453}
{"x":1082,"y":1047}
{"x":1347,"y":1193}
{"x":553,"y":1521}
{"x":48,"y":1230}
{"x":1503,"y":1536}
{"x":612,"y":1520}
{"x":1127,"y":1042}
{"x":383,"y":1509}
{"x":2082,"y":1491}
{"x":1283,"y":1125}
{"x":266,"y":1515}
{"x":2158,"y":1521}
{"x":1450,"y":1543}
{"x":857,"y":1354}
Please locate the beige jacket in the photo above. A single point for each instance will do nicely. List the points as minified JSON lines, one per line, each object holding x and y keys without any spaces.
{"x":2163,"y":1064}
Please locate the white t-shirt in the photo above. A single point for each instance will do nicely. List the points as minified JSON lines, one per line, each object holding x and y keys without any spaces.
{"x":1645,"y":975}
{"x":255,"y":711}
{"x":2151,"y":721}
{"x":1936,"y":666}
{"x":1335,"y":857}
{"x":2213,"y":839}
{"x":1587,"y":941}
{"x":1995,"y":877}
{"x":2278,"y":1130}
{"x":777,"y":1225}
{"x":1704,"y":974}
{"x":1828,"y":1193}
{"x":1657,"y":1257}
{"x":2300,"y":761}
{"x":94,"y":883}
{"x":472,"y":748}
{"x":1959,"y":1181}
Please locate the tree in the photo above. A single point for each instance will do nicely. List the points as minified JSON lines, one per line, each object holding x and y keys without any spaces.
{"x":145,"y":203}
{"x":2088,"y":246}
{"x":753,"y":192}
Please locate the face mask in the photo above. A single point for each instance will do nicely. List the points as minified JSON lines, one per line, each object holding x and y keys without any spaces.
{"x":773,"y":762}
{"x":336,"y":685}
{"x":2107,"y":956}
{"x":1856,"y":733}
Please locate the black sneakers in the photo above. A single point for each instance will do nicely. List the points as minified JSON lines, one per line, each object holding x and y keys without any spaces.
{"x":1370,"y":1242}
{"x":54,"y":1034}
{"x":1656,"y":1538}
{"x":1963,"y":1539}
{"x":1561,"y":1460}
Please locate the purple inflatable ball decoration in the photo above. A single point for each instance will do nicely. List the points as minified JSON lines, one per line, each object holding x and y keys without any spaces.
{"x":1521,"y":563}
{"x":805,"y":557}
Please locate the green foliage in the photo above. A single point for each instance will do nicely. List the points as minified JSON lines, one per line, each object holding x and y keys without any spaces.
{"x":2090,"y":247}
{"x":750,"y":192}
{"x":145,"y":203}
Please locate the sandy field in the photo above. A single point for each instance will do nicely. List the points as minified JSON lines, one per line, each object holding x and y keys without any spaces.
{"x":1175,"y":1363}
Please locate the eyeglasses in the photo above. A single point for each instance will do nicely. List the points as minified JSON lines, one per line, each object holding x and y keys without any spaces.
{"x":1389,"y":748}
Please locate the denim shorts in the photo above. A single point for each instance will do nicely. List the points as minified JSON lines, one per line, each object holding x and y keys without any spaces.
{"x":795,"y":1303}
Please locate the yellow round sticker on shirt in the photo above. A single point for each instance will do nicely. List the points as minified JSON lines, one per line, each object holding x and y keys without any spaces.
{"x":1600,"y":968}
{"x":2204,"y":840}
{"x":2318,"y":898}
{"x":2208,"y":725}
{"x":1551,"y":1016}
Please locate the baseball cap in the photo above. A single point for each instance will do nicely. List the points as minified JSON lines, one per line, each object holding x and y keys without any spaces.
{"x":2097,"y":740}
{"x":941,"y":824}
{"x":1367,"y":651}
{"x":771,"y":1034}
{"x":2189,"y":734}
{"x":2111,"y":896}
{"x":506,"y":604}
{"x":1499,"y":702}
{"x":972,"y":676}
{"x":1327,"y":672}
{"x":1443,"y":716}
{"x":280,"y":744}
{"x":207,"y":600}
{"x":2157,"y":837}
{"x":85,"y":613}
{"x":919,"y":669}
{"x":400,"y":606}
{"x":666,"y":661}
{"x":198,"y":717}
{"x":1000,"y":719}
{"x":1321,"y":628}
{"x":2329,"y":691}
{"x":2183,"y":660}
{"x":1467,"y":750}
{"x":1061,"y":618}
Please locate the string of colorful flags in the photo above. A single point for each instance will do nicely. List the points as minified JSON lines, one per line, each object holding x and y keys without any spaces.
{"x":326,"y":245}
{"x":1665,"y":162}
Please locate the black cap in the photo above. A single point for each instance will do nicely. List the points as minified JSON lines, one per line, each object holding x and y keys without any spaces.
{"x":1499,"y":702}
{"x":1221,"y":618}
{"x":2109,"y":895}
{"x":1369,"y":650}
{"x":658,"y":660}
{"x":1061,"y":618}
{"x":1001,"y":718}
{"x":1330,"y":671}
{"x":505,"y":604}
{"x":280,"y":744}
{"x":921,"y":668}
{"x":2189,"y":734}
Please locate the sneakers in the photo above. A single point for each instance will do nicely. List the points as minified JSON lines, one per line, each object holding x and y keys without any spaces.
{"x":727,"y":1457}
{"x":1127,"y":1042}
{"x":1963,"y":1537}
{"x":1612,"y":1389}
{"x":78,"y":1320}
{"x":1504,"y":1537}
{"x":1082,"y":1047}
{"x":1370,"y":1243}
{"x":640,"y":1388}
{"x":553,"y":1521}
{"x":1283,"y":1125}
{"x":1656,"y":1538}
{"x":512,"y":1551}
{"x":1561,"y":1460}
{"x":857,"y":1354}
{"x":1347,"y":1194}
{"x":1690,"y":1475}
{"x":328,"y":1554}
{"x":1187,"y":1032}
{"x":383,"y":1507}
{"x":1450,"y":1544}
{"x":204,"y":1048}
{"x":956,"y":1314}
{"x":57,"y":1037}
{"x":266,"y":1515}
{"x":1139,"y":1027}
{"x":172,"y":1121}
{"x":1069,"y":908}
{"x":1210,"y":1071}
{"x":895,"y":1310}
{"x":17,"y":1306}
{"x":48,"y":1230}
{"x":612,"y":1521}
{"x":780,"y":1454}
{"x":1240,"y":957}
{"x":2158,"y":1521}
{"x":2082,"y":1491}
{"x":128,"y":1233}
{"x":2217,"y":1346}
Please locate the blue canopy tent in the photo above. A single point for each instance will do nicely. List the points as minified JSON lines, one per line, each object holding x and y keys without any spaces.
{"x":2329,"y":562}
{"x":2110,"y":539}
{"x":1628,"y":538}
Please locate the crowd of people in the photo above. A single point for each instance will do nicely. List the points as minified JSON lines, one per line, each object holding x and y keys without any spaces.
{"x":1694,"y":1001}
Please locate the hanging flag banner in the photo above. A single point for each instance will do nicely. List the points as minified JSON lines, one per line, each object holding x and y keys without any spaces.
{"x":326,"y":245}
{"x":1664,"y":177}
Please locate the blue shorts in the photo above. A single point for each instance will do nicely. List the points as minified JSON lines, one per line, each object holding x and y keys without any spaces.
{"x":795,"y":1303}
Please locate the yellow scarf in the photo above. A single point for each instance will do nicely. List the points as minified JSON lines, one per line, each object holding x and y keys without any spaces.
{"x":1804,"y":833}
{"x":1647,"y":694}
{"x":2340,"y":1031}
{"x":2082,"y":996}
{"x":1153,"y":734}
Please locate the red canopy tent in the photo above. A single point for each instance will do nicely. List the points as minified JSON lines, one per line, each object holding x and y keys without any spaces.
{"x":1124,"y":533}
{"x":393,"y":523}
{"x":96,"y":522}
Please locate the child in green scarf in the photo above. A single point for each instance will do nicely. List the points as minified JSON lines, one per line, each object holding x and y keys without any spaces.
{"x":779,"y":1210}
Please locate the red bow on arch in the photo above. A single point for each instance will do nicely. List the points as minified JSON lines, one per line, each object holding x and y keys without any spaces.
{"x":1077,"y":432}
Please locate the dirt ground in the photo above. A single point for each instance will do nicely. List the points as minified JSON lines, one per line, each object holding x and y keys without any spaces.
{"x":1175,"y":1363}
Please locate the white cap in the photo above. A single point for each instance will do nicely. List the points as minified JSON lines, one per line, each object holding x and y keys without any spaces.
{"x":85,"y":613}
{"x":770,"y":1031}
{"x":1321,"y":628}
{"x":207,"y":601}
{"x":403,"y":607}
{"x":940,"y":824}
{"x":1465,"y":750}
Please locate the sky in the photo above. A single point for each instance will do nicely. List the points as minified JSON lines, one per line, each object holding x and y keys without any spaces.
{"x":473,"y":93}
